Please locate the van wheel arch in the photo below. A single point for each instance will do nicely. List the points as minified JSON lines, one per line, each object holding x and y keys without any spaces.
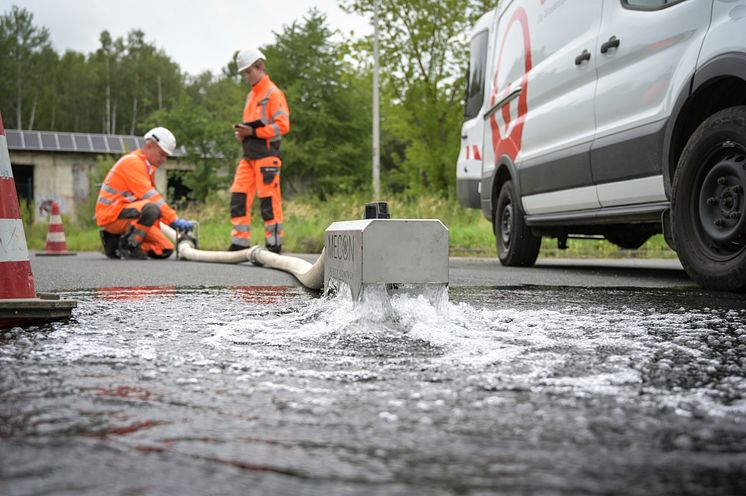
{"x":717,"y":85}
{"x":502,"y":175}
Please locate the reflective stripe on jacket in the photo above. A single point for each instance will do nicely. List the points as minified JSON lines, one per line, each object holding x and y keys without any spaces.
{"x":266,"y":103}
{"x":131,"y":179}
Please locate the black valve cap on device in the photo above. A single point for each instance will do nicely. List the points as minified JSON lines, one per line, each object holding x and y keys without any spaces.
{"x":377,"y":210}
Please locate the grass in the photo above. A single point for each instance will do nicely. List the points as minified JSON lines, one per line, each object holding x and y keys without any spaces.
{"x":305,"y":220}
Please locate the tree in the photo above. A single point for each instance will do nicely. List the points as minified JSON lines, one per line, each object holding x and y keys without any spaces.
{"x":77,"y":94}
{"x":132,"y":79}
{"x":328,"y":145}
{"x":107,"y":58}
{"x":42,"y":79}
{"x":423,"y":47}
{"x":209,"y":144}
{"x":222,"y":97}
{"x":22,"y":46}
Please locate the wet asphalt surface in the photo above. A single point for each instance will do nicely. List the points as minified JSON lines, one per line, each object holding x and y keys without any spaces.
{"x":92,"y":270}
{"x":604,"y":386}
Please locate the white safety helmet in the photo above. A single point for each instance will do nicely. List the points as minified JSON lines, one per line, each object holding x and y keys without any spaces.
{"x":164,"y":139}
{"x":246,"y":58}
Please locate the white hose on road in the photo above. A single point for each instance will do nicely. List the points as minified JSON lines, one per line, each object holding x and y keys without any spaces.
{"x":310,"y":275}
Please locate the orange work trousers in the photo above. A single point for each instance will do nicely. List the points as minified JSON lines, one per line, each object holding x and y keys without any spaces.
{"x":260,"y":177}
{"x":153,"y":241}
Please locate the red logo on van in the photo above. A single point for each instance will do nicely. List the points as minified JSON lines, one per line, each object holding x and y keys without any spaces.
{"x":477,"y":155}
{"x":507,"y":141}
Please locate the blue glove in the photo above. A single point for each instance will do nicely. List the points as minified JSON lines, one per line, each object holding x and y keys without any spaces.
{"x":182,"y":224}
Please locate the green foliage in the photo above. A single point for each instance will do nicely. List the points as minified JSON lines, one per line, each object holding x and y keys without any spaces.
{"x":223,"y":98}
{"x":307,"y":217}
{"x":27,"y":214}
{"x":328,"y":145}
{"x":110,"y":91}
{"x":25,"y":48}
{"x":423,"y":58}
{"x":655,"y":247}
{"x":208,"y":141}
{"x":96,"y":177}
{"x":76,"y":95}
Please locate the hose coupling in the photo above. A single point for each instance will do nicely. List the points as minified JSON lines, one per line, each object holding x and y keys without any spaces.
{"x":253,"y":253}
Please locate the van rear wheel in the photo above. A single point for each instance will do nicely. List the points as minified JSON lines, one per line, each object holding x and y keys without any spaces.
{"x":516,"y":244}
{"x":709,"y":203}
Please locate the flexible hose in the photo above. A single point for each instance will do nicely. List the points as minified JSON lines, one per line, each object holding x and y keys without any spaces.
{"x":187,"y":250}
{"x":310,"y":275}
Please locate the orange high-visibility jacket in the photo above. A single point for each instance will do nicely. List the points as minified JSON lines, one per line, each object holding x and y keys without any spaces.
{"x":131,"y":179}
{"x":266,"y":103}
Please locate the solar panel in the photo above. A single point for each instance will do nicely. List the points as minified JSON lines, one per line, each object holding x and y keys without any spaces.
{"x":129,"y":143}
{"x":66,"y":142}
{"x":14,"y":139}
{"x":76,"y":142}
{"x":81,"y":143}
{"x":99,"y":143}
{"x":115,"y":144}
{"x":48,"y":141}
{"x":31,"y":140}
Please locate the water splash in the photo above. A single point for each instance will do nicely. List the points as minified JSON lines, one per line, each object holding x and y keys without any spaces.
{"x":405,"y":385}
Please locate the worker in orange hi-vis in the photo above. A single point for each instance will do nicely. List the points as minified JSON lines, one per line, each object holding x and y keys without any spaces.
{"x":266,"y":118}
{"x":129,"y":209}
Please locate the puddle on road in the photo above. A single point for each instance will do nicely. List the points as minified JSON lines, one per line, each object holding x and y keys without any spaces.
{"x":509,"y":391}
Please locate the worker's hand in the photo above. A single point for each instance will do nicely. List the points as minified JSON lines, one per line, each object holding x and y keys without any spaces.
{"x":182,"y":224}
{"x":243,"y":131}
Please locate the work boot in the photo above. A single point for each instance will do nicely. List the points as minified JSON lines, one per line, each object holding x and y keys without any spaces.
{"x":274,"y":248}
{"x":111,"y":244}
{"x":235,"y":247}
{"x":129,"y":250}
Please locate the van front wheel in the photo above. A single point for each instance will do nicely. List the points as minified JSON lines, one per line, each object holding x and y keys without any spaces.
{"x":517,"y":246}
{"x":709,"y":202}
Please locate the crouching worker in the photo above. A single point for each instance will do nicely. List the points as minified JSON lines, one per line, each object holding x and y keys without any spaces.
{"x":129,"y":209}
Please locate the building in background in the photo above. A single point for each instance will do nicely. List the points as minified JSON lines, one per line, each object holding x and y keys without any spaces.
{"x":59,"y":166}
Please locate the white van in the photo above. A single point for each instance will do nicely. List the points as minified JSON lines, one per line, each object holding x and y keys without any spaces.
{"x":620,"y":118}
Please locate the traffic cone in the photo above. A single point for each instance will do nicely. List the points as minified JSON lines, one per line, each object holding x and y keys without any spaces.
{"x":19,"y":304}
{"x":56,"y":244}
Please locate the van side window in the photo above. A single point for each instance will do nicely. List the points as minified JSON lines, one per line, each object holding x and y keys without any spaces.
{"x":649,"y":4}
{"x":475,"y":76}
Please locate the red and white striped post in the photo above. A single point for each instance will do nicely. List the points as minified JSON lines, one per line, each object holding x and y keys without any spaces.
{"x":19,"y":304}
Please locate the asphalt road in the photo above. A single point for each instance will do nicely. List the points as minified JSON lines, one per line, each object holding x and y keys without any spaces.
{"x":571,"y":377}
{"x":93,"y":270}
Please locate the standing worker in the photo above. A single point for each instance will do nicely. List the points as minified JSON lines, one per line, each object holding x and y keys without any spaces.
{"x":129,"y":209}
{"x":266,"y":118}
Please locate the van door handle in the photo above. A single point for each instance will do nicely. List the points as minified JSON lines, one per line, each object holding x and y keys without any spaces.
{"x":586,"y":55}
{"x":464,"y":136}
{"x":612,"y":43}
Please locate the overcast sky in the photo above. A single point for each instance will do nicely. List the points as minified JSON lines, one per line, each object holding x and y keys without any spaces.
{"x":198,"y":35}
